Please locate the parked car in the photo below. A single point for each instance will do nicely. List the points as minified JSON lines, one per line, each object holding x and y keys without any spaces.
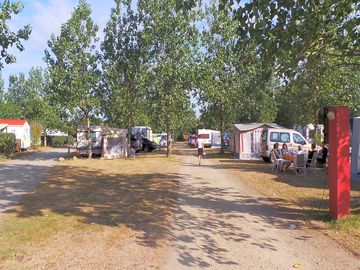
{"x":136,"y":143}
{"x":148,"y":145}
{"x":292,"y":138}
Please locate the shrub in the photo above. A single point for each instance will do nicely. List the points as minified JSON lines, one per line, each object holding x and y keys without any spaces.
{"x":35,"y":130}
{"x":7,"y":143}
{"x":60,"y":140}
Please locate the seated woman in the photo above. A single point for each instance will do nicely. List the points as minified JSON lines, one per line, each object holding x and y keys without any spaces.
{"x":311,"y":154}
{"x":276,"y":153}
{"x":287,"y":156}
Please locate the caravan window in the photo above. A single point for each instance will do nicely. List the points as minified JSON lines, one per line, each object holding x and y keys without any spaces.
{"x":93,"y":136}
{"x":264,"y":135}
{"x":281,"y":137}
{"x":204,"y":136}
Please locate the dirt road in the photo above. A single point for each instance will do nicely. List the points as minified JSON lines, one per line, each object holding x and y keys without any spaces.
{"x":222,"y":224}
{"x":17,"y":177}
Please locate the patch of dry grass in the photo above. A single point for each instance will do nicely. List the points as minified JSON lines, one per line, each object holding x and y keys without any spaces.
{"x":88,"y":205}
{"x":308,"y":192}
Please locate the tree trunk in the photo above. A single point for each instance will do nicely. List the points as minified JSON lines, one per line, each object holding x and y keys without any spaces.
{"x":89,"y":137}
{"x":45,"y":137}
{"x":222,"y":127}
{"x":168,"y":149}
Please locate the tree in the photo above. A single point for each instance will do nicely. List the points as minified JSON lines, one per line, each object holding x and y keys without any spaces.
{"x":291,"y":32}
{"x":311,"y":45}
{"x":123,"y":63}
{"x":73,"y":66}
{"x":228,"y":70}
{"x":170,"y":38}
{"x":9,"y":38}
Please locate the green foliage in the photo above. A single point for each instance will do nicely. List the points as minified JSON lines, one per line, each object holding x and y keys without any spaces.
{"x":57,"y":141}
{"x":9,"y":38}
{"x":35,"y":132}
{"x":122,"y":92}
{"x":73,"y":65}
{"x":7,"y":143}
{"x":170,"y":38}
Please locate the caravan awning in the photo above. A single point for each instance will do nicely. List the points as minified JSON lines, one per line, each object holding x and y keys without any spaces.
{"x":251,"y":126}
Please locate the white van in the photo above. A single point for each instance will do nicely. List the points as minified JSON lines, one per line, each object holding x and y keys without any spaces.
{"x":292,"y":138}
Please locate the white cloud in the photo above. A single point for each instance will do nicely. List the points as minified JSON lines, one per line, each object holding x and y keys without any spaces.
{"x":48,"y":18}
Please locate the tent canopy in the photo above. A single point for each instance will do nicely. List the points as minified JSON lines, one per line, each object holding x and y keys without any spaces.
{"x":252,"y":126}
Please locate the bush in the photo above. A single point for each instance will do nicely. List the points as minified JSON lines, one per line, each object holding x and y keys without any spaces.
{"x":60,"y":140}
{"x":7,"y":143}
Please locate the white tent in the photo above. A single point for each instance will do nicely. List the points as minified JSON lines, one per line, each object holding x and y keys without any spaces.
{"x":245,"y":139}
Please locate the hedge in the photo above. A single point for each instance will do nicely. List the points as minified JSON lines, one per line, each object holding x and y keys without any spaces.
{"x":56,"y":141}
{"x":7,"y":143}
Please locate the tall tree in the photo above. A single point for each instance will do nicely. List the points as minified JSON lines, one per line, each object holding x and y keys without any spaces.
{"x":123,"y":67}
{"x":73,"y":66}
{"x":9,"y":38}
{"x":171,"y":36}
{"x":295,"y":31}
{"x":228,"y":69}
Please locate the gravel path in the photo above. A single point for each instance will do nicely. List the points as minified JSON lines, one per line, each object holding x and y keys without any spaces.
{"x":222,"y":224}
{"x":17,"y":177}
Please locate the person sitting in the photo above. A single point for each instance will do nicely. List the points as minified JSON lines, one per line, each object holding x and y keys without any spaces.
{"x":276,"y":153}
{"x":284,"y":150}
{"x":311,"y":154}
{"x":323,"y":153}
{"x":288,"y":157}
{"x":300,"y":150}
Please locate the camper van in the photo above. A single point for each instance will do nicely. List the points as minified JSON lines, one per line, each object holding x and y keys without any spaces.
{"x":292,"y":138}
{"x":209,"y":137}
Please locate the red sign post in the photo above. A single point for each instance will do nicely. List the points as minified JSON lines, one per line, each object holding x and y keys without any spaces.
{"x":339,"y":161}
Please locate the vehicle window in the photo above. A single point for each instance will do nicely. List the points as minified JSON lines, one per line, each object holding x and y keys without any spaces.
{"x":264,"y":135}
{"x":298,"y":139}
{"x":204,"y":136}
{"x":281,"y":137}
{"x":274,"y":137}
{"x":284,"y":137}
{"x":93,"y":135}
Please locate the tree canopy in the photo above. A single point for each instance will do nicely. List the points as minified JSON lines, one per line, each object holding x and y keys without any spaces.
{"x":9,"y":38}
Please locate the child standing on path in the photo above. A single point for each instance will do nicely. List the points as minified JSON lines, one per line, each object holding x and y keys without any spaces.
{"x":201,"y":151}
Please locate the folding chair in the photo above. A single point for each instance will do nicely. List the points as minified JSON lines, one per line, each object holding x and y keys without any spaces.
{"x":277,"y":162}
{"x":313,"y":163}
{"x":299,"y":164}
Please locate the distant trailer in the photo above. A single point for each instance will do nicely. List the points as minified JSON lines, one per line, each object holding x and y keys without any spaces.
{"x":109,"y":143}
{"x":210,"y":137}
{"x":142,"y":132}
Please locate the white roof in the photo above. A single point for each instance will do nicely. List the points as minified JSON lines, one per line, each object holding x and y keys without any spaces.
{"x":251,"y":126}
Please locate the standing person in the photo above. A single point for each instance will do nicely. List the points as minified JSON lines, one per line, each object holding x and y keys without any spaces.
{"x":201,"y":152}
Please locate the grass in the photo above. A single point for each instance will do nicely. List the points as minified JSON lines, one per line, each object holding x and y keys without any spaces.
{"x":83,"y":200}
{"x":308,"y":192}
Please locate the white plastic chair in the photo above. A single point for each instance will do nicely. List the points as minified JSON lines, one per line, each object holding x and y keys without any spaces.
{"x":313,"y":163}
{"x":277,"y":162}
{"x":300,"y":164}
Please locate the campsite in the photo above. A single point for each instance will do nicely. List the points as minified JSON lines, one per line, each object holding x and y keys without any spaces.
{"x":179,"y":134}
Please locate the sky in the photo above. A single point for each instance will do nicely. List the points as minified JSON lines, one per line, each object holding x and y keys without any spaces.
{"x":46,"y":17}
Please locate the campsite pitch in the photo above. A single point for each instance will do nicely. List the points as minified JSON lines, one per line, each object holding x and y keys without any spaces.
{"x":91,"y":214}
